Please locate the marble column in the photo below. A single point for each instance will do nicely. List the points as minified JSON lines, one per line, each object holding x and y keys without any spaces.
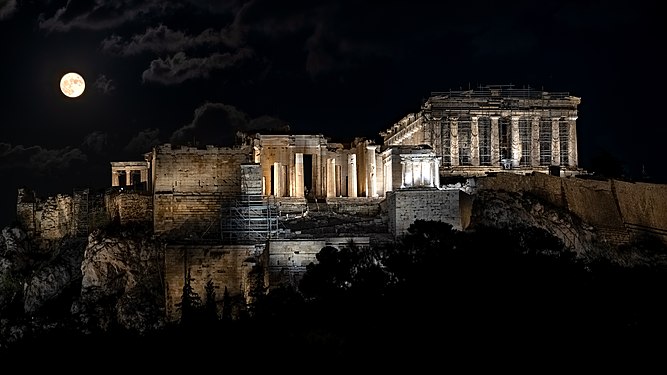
{"x":572,"y":154}
{"x":555,"y":141}
{"x":290,"y":173}
{"x":436,"y":172}
{"x":331,"y":177}
{"x":454,"y":140}
{"x":372,"y":159}
{"x":352,"y":175}
{"x":535,"y":142}
{"x":298,"y":175}
{"x":404,"y":170}
{"x":128,"y":176}
{"x":516,"y":142}
{"x":276,"y":179}
{"x":474,"y":141}
{"x":495,"y":141}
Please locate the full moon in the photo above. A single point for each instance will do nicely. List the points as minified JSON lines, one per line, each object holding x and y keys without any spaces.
{"x":72,"y":85}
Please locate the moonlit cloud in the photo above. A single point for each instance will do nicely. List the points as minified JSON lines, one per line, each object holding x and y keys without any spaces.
{"x":180,"y":67}
{"x":101,"y":14}
{"x":37,"y":159}
{"x":104,"y":84}
{"x":163,"y":39}
{"x":7,"y":8}
{"x":96,"y":141}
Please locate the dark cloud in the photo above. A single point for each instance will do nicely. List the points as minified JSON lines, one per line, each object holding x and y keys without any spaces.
{"x":143,"y":142}
{"x":7,"y":8}
{"x":97,"y":142}
{"x":218,"y":123}
{"x":101,"y":14}
{"x":39,"y":160}
{"x":104,"y":84}
{"x":163,"y":39}
{"x":180,"y":67}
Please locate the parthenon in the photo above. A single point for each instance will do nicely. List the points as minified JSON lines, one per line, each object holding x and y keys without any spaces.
{"x":494,"y":128}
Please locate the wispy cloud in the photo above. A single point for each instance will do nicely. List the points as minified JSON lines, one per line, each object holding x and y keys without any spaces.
{"x":104,"y":84}
{"x":97,"y":142}
{"x":180,"y":67}
{"x":39,"y":160}
{"x":101,"y":14}
{"x":163,"y":39}
{"x":7,"y":8}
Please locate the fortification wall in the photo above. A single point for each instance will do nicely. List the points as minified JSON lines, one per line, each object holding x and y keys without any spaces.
{"x":227,"y":266}
{"x":643,"y":207}
{"x":190,"y":185}
{"x":406,"y":206}
{"x":288,"y":260}
{"x":593,"y":201}
{"x":49,"y":218}
{"x":540,"y":184}
{"x":617,"y":209}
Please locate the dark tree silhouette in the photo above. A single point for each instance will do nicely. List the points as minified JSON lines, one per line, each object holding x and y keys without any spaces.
{"x":210,"y":307}
{"x":226,"y":306}
{"x":190,"y":305}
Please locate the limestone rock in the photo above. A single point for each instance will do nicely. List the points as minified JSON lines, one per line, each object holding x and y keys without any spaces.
{"x":121,"y":283}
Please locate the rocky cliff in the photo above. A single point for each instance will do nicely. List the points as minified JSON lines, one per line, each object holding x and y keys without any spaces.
{"x":110,"y":280}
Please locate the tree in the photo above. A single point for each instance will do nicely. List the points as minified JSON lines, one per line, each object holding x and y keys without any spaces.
{"x":226,"y":306}
{"x":210,"y":307}
{"x":190,"y":305}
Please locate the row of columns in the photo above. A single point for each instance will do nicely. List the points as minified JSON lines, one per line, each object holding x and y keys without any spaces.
{"x":332,"y":176}
{"x":515,"y":141}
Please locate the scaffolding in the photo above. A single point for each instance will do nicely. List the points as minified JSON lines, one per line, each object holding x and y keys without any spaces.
{"x":248,"y":219}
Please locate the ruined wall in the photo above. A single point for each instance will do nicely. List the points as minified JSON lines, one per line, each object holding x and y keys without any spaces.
{"x":190,"y":185}
{"x":130,"y":207}
{"x":225,"y":265}
{"x":407,"y":205}
{"x":49,"y":218}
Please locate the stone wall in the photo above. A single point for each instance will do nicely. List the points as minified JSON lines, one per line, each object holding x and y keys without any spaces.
{"x":130,"y":207}
{"x":190,"y":185}
{"x":288,"y":260}
{"x":49,"y":218}
{"x":355,"y":206}
{"x":617,"y":209}
{"x":643,"y":207}
{"x":408,"y":205}
{"x":227,"y":266}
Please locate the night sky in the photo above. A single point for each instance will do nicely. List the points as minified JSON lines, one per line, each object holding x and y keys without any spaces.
{"x":197,"y":71}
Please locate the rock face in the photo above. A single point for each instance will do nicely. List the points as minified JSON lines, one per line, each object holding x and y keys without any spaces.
{"x":110,"y":280}
{"x":121,"y":284}
{"x":514,"y":211}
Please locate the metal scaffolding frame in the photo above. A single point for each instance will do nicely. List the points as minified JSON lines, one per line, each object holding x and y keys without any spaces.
{"x":248,"y":219}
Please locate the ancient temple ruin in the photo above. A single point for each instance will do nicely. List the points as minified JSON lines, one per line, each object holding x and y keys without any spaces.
{"x":494,"y":128}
